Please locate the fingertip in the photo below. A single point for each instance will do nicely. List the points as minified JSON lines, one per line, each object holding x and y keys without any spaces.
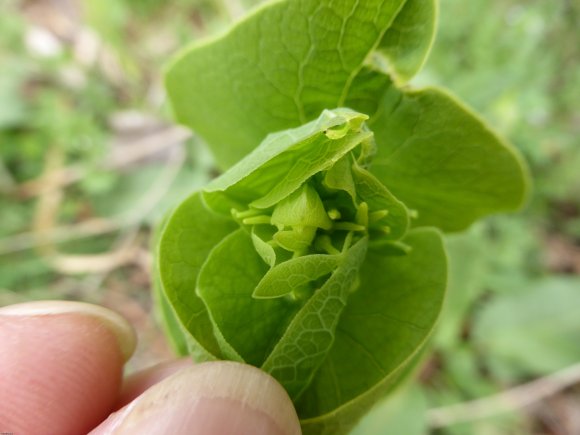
{"x":62,"y":365}
{"x":114,"y":322}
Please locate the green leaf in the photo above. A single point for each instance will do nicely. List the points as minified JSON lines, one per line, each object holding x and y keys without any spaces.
{"x":285,"y":160}
{"x":293,"y":274}
{"x":250,"y":85}
{"x":378,"y":197}
{"x":245,"y":327}
{"x":188,"y":237}
{"x":301,"y":350}
{"x":367,"y":90}
{"x":390,"y":247}
{"x":440,"y":159}
{"x":339,"y":177}
{"x":301,"y":208}
{"x":295,"y":240}
{"x":165,"y":315}
{"x":385,"y":323}
{"x":451,"y":169}
{"x":408,"y":41}
{"x":263,"y":248}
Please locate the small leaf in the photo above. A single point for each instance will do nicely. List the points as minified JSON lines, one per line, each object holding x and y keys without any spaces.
{"x":293,"y":274}
{"x":263,"y":248}
{"x":307,"y":339}
{"x":339,"y":177}
{"x":297,"y":240}
{"x":303,"y":208}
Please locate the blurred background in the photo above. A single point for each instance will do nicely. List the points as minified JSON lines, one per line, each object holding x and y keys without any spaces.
{"x":90,"y":161}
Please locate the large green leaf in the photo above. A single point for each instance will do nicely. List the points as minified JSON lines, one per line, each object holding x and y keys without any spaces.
{"x":367,"y":90}
{"x":189,"y":235}
{"x":236,"y":89}
{"x":179,"y":338}
{"x":440,"y":159}
{"x":244,"y":325}
{"x":386,"y":323}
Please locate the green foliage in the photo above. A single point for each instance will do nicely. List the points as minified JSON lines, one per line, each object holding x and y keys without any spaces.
{"x":515,"y":62}
{"x":386,"y":322}
{"x":183,"y":255}
{"x":275,"y":263}
{"x":530,"y":331}
{"x":528,"y":96}
{"x":449,"y":165}
{"x":252,"y":85}
{"x":67,"y":104}
{"x":524,"y":87}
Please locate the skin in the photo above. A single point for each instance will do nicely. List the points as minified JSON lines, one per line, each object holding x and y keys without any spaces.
{"x":61,"y":372}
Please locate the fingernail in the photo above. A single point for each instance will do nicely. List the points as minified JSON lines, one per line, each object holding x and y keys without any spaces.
{"x":216,"y":398}
{"x":114,"y":322}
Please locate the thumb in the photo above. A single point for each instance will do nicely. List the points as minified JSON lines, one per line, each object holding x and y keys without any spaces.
{"x":215,"y":398}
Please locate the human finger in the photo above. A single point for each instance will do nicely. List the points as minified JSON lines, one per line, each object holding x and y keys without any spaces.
{"x":137,"y":383}
{"x":61,"y":365}
{"x":215,"y":398}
